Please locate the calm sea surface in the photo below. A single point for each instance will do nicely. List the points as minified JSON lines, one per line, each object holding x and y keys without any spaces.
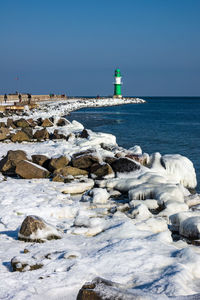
{"x":165,"y":125}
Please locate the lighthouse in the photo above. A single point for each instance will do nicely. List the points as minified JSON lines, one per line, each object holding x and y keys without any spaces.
{"x":117,"y":84}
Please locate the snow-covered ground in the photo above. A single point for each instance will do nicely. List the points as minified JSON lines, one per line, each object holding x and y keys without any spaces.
{"x":120,"y":239}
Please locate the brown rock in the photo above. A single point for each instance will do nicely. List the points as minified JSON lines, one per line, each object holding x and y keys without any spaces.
{"x":20,"y":136}
{"x":70,"y":171}
{"x":31,"y":225}
{"x":84,"y":134}
{"x":62,"y":122}
{"x":9,"y":162}
{"x":4,"y":133}
{"x":84,"y":161}
{"x":41,"y":134}
{"x":58,"y":178}
{"x":28,"y":131}
{"x":21,"y":266}
{"x":32,"y":123}
{"x":109,"y":160}
{"x":56,"y":135}
{"x":46,"y":123}
{"x":2,"y":125}
{"x":101,"y":170}
{"x":124,"y":164}
{"x":139,"y":158}
{"x":102,"y":289}
{"x":39,"y":159}
{"x":22,"y":123}
{"x":10,"y":123}
{"x":58,"y":163}
{"x":28,"y":170}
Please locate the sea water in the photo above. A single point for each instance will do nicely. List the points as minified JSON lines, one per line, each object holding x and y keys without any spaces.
{"x":166,"y":125}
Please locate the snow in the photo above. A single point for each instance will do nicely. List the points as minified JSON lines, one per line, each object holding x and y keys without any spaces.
{"x":119,"y":229}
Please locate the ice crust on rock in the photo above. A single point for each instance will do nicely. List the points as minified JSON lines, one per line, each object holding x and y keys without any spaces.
{"x":99,"y":195}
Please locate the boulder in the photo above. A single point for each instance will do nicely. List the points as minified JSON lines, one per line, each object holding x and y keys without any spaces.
{"x":47,"y":123}
{"x":62,"y":122}
{"x":2,"y":125}
{"x":58,"y":163}
{"x":124,"y":164}
{"x":58,"y":178}
{"x":22,"y":265}
{"x":102,"y":289}
{"x":9,"y":162}
{"x":41,"y":134}
{"x":20,"y":136}
{"x":109,"y":159}
{"x":78,"y":186}
{"x":29,"y":170}
{"x":84,"y":161}
{"x":35,"y":229}
{"x":10,"y":123}
{"x":39,"y":159}
{"x":84,"y":134}
{"x":139,"y":158}
{"x":4,"y":133}
{"x":66,"y":171}
{"x":28,"y":131}
{"x":22,"y":123}
{"x":101,"y":170}
{"x":32,"y":123}
{"x":55,"y":135}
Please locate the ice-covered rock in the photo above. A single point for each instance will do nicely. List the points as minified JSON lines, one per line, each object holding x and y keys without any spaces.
{"x":36,"y":229}
{"x":140,"y":212}
{"x":187,"y":224}
{"x":78,"y":187}
{"x":99,"y":195}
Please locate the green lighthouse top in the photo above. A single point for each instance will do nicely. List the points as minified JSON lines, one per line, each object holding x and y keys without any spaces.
{"x":117,"y":73}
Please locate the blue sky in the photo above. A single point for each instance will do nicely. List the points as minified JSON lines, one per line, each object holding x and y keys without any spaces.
{"x":73,"y":46}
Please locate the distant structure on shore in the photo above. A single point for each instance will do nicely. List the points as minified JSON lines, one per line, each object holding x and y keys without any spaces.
{"x":117,"y":84}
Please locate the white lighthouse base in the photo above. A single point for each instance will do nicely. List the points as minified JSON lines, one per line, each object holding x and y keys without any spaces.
{"x":117,"y":96}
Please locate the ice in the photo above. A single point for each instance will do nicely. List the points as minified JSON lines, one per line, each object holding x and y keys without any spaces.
{"x":100,"y":196}
{"x":76,"y":187}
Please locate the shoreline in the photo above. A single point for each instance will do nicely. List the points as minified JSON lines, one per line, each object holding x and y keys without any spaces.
{"x":115,"y":212}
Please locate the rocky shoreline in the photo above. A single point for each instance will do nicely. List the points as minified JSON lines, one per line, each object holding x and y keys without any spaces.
{"x":77,"y":190}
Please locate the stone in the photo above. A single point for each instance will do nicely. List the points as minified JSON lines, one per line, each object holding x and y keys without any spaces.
{"x":20,"y":136}
{"x":84,"y":134}
{"x":139,"y":158}
{"x":9,"y":162}
{"x":56,"y":136}
{"x":58,"y":178}
{"x":22,"y":123}
{"x":101,"y":170}
{"x":78,"y":186}
{"x":28,"y":131}
{"x":29,"y":170}
{"x":102,"y":289}
{"x":62,"y":122}
{"x":21,"y":265}
{"x":35,"y":229}
{"x":109,"y":159}
{"x":4,"y":133}
{"x":58,"y":163}
{"x":66,"y":171}
{"x":47,"y":123}
{"x":10,"y":123}
{"x":84,"y":161}
{"x":2,"y":125}
{"x":39,"y":159}
{"x":41,"y":134}
{"x":32,"y":123}
{"x":124,"y":164}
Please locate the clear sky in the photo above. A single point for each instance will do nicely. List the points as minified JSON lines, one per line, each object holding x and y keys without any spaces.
{"x":73,"y":46}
